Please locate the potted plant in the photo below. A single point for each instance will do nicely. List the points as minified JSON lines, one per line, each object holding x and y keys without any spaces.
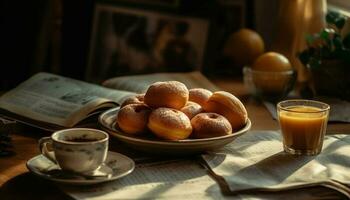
{"x":327,"y":56}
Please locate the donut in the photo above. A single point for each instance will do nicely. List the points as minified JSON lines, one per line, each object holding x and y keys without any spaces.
{"x":206,"y":125}
{"x":199,"y":95}
{"x":169,"y":124}
{"x":229,"y":106}
{"x":171,"y":94}
{"x":191,"y":109}
{"x":137,"y":99}
{"x":133,"y":118}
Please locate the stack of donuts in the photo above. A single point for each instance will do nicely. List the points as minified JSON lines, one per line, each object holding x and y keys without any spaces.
{"x":172,"y":112}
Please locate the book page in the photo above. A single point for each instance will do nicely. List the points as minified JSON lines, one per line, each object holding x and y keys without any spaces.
{"x":140,"y":83}
{"x":58,"y":100}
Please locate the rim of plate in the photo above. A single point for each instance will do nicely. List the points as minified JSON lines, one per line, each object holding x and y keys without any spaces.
{"x":118,"y":133}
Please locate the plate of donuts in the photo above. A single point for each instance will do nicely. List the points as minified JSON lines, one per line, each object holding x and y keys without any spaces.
{"x":169,"y":118}
{"x":149,"y":143}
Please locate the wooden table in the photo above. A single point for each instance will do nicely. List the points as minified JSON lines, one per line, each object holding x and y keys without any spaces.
{"x":17,"y":183}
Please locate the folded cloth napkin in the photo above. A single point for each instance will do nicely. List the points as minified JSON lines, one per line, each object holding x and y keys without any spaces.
{"x":256,"y":160}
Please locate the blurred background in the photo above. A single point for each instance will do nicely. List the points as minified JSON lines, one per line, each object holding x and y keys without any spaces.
{"x":94,"y":40}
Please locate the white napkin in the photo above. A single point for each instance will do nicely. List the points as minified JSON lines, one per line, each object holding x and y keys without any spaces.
{"x":256,"y":160}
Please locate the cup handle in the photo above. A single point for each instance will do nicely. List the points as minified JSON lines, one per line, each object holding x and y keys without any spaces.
{"x":43,"y":142}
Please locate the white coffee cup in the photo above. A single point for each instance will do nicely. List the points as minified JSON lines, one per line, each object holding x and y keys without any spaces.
{"x":80,"y":150}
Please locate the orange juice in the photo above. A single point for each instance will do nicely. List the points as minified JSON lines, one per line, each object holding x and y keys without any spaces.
{"x":303,"y":128}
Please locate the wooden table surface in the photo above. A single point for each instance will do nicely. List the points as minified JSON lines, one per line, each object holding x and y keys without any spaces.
{"x":17,"y":183}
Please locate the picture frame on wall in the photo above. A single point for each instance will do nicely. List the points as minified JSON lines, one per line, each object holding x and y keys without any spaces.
{"x":227,"y":17}
{"x":130,"y":40}
{"x":157,"y":3}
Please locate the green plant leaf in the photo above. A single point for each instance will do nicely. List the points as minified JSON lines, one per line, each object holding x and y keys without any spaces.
{"x":327,"y":43}
{"x":331,"y":17}
{"x":304,"y":57}
{"x":314,"y":62}
{"x":336,"y":18}
{"x":312,"y":51}
{"x":324,"y":34}
{"x":344,"y":54}
{"x":325,"y":52}
{"x":346,"y":41}
{"x":337,"y":42}
{"x":340,"y":22}
{"x":311,"y":38}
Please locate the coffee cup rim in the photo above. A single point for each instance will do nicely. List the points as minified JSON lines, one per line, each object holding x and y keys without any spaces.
{"x":79,"y":129}
{"x":325,"y":108}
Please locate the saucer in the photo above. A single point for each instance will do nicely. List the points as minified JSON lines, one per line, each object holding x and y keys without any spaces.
{"x":118,"y":165}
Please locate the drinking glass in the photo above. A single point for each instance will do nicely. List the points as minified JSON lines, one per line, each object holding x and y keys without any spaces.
{"x":303,"y":125}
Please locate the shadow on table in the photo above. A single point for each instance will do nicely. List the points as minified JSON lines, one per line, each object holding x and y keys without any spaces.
{"x":307,"y":193}
{"x":27,"y":186}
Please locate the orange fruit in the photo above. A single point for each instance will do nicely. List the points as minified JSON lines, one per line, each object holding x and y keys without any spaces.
{"x":279,"y":78}
{"x":272,"y":62}
{"x":244,"y":46}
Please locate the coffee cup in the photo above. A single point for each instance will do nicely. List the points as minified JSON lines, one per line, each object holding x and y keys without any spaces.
{"x":80,"y":150}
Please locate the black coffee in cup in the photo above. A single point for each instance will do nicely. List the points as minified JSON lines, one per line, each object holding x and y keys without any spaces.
{"x":82,"y":140}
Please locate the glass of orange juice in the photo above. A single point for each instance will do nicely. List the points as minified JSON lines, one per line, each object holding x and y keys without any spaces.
{"x":303,"y":125}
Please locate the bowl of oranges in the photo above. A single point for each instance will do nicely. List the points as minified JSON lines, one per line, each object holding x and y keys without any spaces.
{"x":270,"y":77}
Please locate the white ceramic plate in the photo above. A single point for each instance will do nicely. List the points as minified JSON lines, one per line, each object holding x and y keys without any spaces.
{"x":157,"y":146}
{"x":119,"y":164}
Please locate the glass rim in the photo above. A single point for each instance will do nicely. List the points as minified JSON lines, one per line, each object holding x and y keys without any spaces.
{"x":327,"y":107}
{"x":250,"y":70}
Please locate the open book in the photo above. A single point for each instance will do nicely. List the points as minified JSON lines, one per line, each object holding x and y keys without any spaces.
{"x":53,"y":102}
